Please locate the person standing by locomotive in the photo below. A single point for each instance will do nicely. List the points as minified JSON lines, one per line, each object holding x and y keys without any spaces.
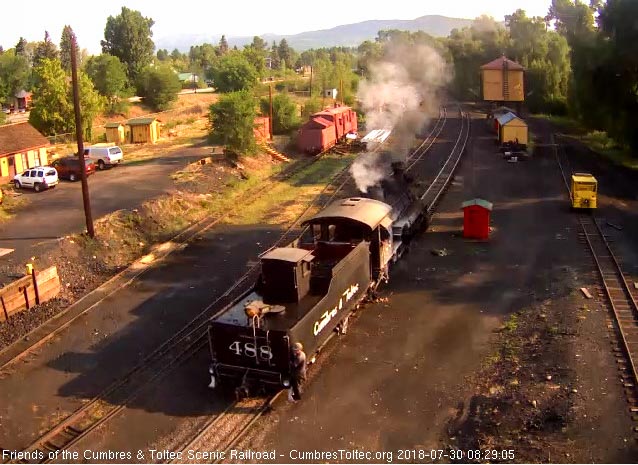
{"x":297,"y":370}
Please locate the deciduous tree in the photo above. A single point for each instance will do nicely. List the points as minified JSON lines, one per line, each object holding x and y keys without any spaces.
{"x":159,"y":86}
{"x":284,"y":110}
{"x":232,"y":120}
{"x":234,"y":73}
{"x":51,"y":107}
{"x":128,"y":37}
{"x":108,"y":75}
{"x":14,"y":75}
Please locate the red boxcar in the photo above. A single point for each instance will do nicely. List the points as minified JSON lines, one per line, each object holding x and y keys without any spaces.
{"x":326,"y":128}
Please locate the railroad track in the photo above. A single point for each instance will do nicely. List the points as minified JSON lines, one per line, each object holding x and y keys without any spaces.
{"x":239,"y":424}
{"x":222,"y":432}
{"x":616,"y":291}
{"x":184,"y":344}
{"x":427,"y":143}
{"x":257,"y":191}
{"x":435,"y":190}
{"x":442,"y":181}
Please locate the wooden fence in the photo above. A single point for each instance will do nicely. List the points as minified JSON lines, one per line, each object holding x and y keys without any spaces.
{"x":28,"y":291}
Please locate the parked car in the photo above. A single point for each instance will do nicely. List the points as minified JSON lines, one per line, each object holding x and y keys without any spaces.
{"x":39,"y":178}
{"x":70,"y":168}
{"x":104,"y":156}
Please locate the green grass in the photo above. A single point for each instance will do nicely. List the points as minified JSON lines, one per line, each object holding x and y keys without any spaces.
{"x":287,"y":199}
{"x":598,"y":141}
{"x":511,"y":324}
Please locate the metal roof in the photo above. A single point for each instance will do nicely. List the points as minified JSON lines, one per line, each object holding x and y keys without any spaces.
{"x":140,"y":121}
{"x":334,"y":110}
{"x":367,"y":211}
{"x":480,"y":202}
{"x":503,"y":110}
{"x":377,"y":135}
{"x":508,"y":118}
{"x":583,"y":177}
{"x":288,"y":254}
{"x":499,"y":62}
{"x":113,"y":125}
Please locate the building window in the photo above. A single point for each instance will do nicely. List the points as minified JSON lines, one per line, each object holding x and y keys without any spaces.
{"x":25,"y":161}
{"x":36,"y":159}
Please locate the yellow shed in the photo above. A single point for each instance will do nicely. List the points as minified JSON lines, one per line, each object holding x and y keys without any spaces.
{"x":502,"y":81}
{"x":21,"y":147}
{"x":115,"y":133}
{"x":144,"y":130}
{"x":511,"y":128}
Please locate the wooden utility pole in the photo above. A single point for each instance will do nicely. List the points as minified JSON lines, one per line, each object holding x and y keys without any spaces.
{"x":270,"y":119}
{"x":310,"y":81}
{"x":341,"y":90}
{"x":79,"y":135}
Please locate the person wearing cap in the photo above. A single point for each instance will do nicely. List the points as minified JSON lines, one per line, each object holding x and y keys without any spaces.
{"x":297,"y":370}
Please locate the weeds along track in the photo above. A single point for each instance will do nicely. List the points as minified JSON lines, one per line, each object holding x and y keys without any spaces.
{"x":619,"y":296}
{"x":189,"y":340}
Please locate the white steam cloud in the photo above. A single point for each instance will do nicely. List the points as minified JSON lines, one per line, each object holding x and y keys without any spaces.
{"x":368,"y":171}
{"x":401,"y":94}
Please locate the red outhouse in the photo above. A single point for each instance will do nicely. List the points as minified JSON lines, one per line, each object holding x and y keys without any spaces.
{"x":476,"y":218}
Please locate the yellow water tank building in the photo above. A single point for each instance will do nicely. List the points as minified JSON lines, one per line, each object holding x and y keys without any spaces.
{"x":502,"y":81}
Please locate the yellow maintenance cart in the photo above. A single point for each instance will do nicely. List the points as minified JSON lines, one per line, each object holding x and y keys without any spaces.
{"x":583,"y":191}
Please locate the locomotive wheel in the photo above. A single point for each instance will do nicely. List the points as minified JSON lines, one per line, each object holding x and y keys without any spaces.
{"x":241,"y":392}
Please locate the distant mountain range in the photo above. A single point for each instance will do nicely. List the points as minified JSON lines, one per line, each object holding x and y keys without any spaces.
{"x":349,"y":35}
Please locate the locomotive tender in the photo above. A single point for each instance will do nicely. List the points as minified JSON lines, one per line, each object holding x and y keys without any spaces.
{"x":308,"y":289}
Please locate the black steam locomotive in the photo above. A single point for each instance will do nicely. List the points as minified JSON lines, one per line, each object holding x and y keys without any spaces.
{"x":308,"y":289}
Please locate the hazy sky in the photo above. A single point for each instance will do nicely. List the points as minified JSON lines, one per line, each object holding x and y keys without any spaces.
{"x":231,"y":17}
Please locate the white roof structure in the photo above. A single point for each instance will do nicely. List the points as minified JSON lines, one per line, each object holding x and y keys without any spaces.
{"x":377,"y":136}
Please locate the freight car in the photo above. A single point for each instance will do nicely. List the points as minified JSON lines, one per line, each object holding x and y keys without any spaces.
{"x":326,"y":128}
{"x":308,"y":289}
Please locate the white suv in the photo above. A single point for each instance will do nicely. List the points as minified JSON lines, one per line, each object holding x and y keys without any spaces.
{"x":104,"y":156}
{"x":39,"y":178}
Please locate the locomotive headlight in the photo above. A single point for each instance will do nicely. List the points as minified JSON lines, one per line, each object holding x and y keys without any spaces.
{"x":286,"y":383}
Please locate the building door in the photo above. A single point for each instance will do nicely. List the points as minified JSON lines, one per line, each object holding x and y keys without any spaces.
{"x":12,"y":166}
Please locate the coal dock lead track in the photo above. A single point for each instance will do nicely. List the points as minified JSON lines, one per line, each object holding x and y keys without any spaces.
{"x":616,"y":291}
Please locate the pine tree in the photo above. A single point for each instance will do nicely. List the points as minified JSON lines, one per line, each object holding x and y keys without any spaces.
{"x":65,"y":48}
{"x":21,"y":47}
{"x":45,"y":49}
{"x":223,"y":45}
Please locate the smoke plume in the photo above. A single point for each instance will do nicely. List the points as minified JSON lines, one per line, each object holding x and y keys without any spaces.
{"x":401,"y":94}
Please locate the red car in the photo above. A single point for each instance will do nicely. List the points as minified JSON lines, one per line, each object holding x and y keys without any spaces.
{"x":70,"y":168}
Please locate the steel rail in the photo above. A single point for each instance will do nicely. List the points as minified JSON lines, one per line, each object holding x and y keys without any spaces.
{"x":91,"y":415}
{"x":434,"y":191}
{"x":617,"y":290}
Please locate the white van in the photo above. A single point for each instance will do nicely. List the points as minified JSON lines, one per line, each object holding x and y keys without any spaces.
{"x":104,"y":156}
